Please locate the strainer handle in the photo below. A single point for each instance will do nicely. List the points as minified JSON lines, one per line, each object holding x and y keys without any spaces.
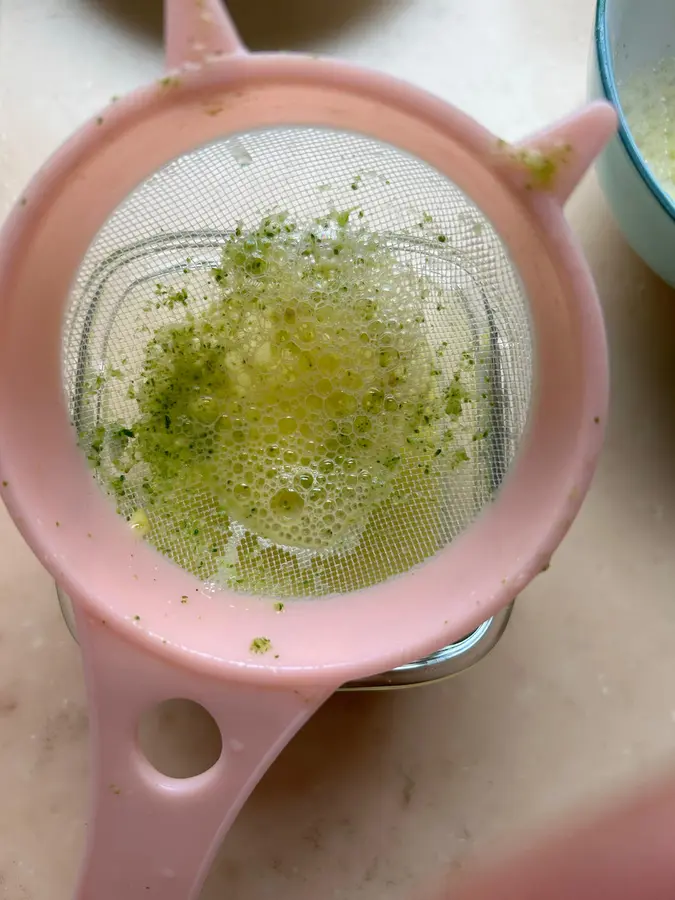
{"x":195,"y":28}
{"x":150,"y":835}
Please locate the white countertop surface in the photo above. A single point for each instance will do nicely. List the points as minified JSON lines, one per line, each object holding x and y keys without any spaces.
{"x":381,"y":791}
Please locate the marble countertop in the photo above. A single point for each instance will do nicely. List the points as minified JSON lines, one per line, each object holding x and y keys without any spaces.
{"x":382,"y":790}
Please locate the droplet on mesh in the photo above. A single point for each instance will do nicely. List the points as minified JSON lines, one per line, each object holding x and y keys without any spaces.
{"x":240,"y":153}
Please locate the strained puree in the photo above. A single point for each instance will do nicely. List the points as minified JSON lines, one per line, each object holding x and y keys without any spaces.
{"x":302,"y":396}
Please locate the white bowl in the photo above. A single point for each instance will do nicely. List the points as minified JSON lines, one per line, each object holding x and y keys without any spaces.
{"x":629,"y":36}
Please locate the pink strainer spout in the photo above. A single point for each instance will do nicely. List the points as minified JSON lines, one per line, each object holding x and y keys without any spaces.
{"x":197,"y":29}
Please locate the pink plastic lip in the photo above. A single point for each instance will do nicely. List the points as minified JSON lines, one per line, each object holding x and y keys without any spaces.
{"x":329,"y":641}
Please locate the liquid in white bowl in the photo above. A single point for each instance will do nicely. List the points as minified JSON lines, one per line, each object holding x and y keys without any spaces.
{"x":648,"y":102}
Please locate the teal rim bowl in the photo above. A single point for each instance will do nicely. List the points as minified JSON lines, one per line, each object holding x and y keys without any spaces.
{"x":603,"y":51}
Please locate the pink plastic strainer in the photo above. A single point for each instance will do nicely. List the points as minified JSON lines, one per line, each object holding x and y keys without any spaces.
{"x":148,"y":192}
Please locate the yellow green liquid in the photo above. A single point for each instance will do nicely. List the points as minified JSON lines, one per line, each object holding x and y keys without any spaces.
{"x":291,"y":436}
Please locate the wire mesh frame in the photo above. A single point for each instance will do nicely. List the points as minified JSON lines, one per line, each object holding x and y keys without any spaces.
{"x":472,"y":263}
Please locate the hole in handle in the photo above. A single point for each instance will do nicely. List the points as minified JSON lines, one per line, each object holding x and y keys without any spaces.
{"x":180,"y":738}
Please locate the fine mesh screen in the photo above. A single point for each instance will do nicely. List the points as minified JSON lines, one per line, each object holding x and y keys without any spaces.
{"x":299,"y":360}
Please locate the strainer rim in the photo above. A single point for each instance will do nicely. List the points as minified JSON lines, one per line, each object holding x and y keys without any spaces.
{"x":564,"y":262}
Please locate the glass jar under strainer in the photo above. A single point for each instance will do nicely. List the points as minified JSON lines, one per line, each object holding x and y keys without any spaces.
{"x":445,"y":663}
{"x":157,"y":185}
